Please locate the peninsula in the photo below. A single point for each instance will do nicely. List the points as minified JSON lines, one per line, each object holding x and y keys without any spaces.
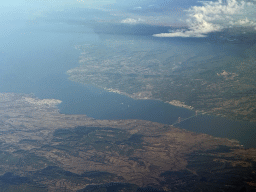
{"x":215,"y":84}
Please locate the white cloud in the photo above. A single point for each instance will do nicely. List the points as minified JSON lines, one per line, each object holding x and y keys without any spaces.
{"x":132,"y":21}
{"x":137,"y":8}
{"x":243,"y":22}
{"x":216,"y":16}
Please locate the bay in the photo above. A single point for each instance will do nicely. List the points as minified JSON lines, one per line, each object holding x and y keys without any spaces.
{"x":35,"y":60}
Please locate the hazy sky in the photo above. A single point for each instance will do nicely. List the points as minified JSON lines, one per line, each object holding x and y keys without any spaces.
{"x":43,"y":4}
{"x":200,"y":17}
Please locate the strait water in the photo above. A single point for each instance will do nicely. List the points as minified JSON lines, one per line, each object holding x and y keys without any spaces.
{"x":35,"y":58}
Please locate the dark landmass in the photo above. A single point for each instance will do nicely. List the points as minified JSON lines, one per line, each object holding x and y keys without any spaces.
{"x":216,"y":82}
{"x":43,"y":150}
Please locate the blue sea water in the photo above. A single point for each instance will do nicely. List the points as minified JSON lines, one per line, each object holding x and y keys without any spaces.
{"x":244,"y":132}
{"x":35,"y":58}
{"x":36,"y":61}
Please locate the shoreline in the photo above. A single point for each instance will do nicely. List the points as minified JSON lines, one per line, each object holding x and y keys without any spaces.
{"x":199,"y":116}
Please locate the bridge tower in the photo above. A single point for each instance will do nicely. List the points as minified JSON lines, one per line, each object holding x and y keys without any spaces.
{"x":179,"y":120}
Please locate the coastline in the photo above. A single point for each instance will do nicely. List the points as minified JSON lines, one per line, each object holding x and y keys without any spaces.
{"x":228,"y":128}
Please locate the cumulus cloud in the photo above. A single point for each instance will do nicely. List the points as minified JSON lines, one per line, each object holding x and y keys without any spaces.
{"x":243,"y":22}
{"x":216,"y":16}
{"x":132,"y":21}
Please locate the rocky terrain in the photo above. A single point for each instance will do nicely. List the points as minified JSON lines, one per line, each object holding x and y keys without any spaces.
{"x":44,"y":150}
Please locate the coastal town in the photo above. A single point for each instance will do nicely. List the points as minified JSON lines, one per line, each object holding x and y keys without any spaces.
{"x":218,"y":85}
{"x":44,"y":150}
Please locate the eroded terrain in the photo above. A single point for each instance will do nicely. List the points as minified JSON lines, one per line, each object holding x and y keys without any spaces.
{"x":44,"y":150}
